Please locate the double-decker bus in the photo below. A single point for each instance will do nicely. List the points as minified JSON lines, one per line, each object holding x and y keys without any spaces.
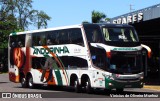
{"x":86,"y":56}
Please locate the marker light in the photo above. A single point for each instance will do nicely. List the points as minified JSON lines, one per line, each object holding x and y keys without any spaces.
{"x":148,"y":49}
{"x":108,"y":54}
{"x":110,"y":84}
{"x":141,"y":77}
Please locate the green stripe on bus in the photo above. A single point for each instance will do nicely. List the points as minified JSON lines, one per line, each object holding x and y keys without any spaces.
{"x":14,"y":33}
{"x":63,"y":66}
{"x":59,"y":78}
{"x":56,"y":70}
{"x":46,"y":56}
{"x":58,"y":74}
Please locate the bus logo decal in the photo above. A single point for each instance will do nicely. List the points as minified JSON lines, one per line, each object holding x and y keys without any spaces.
{"x":58,"y":50}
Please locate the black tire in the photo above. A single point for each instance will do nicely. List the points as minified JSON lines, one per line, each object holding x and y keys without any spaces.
{"x":77,"y":86}
{"x":119,"y":90}
{"x":23,"y":82}
{"x":107,"y":91}
{"x":30,"y":83}
{"x":88,"y":87}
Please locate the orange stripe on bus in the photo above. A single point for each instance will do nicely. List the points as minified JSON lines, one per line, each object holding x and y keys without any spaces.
{"x":46,"y":47}
{"x":46,"y":77}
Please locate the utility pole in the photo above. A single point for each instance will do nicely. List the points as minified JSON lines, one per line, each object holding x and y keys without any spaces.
{"x":131,"y":9}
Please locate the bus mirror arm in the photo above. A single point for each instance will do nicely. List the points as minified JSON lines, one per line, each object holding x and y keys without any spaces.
{"x":89,"y":43}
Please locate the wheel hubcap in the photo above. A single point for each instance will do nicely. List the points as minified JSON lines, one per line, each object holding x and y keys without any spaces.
{"x":30,"y":82}
{"x":23,"y":80}
{"x":75,"y":84}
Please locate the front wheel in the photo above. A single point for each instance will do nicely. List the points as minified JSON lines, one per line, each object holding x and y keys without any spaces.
{"x":108,"y":91}
{"x":119,"y":90}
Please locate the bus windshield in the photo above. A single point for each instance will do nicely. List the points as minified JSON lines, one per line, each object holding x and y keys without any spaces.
{"x":122,"y":62}
{"x":120,"y":34}
{"x":119,"y":62}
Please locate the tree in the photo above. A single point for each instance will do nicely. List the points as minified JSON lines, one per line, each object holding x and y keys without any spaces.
{"x":18,"y":15}
{"x":7,"y":22}
{"x":97,"y":16}
{"x":85,"y":22}
{"x":42,"y":19}
{"x":24,"y":13}
{"x":107,"y":19}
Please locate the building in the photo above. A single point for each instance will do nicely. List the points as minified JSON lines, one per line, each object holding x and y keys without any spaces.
{"x":147,"y":23}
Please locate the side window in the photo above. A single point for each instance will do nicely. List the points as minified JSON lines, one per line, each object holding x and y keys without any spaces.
{"x":39,"y":39}
{"x":75,"y":37}
{"x":71,"y":62}
{"x":66,"y":36}
{"x":98,"y":57}
{"x":94,"y":35}
{"x":52,"y":37}
{"x":63,"y":37}
{"x":17,"y":41}
{"x":21,"y":40}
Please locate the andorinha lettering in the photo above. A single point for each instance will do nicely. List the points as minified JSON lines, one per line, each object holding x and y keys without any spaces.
{"x":44,"y":51}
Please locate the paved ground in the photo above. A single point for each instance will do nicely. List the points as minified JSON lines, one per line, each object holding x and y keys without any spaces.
{"x":67,"y":94}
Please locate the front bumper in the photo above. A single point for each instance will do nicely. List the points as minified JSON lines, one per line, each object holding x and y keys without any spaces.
{"x":111,"y":84}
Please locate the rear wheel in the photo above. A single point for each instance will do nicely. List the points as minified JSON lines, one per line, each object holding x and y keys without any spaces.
{"x":88,"y":87}
{"x":30,"y":82}
{"x":23,"y":82}
{"x":77,"y":86}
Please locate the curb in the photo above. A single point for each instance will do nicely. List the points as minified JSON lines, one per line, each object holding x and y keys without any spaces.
{"x":152,"y":87}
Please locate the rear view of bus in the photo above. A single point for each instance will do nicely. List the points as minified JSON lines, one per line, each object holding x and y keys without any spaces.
{"x":115,"y":50}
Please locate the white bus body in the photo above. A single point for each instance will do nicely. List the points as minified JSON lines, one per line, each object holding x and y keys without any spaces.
{"x":74,"y":56}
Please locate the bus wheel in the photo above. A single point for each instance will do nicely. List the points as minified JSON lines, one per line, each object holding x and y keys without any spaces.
{"x":77,"y":86}
{"x":30,"y":82}
{"x":108,"y":91}
{"x":88,"y":87}
{"x":119,"y":90}
{"x":23,"y":82}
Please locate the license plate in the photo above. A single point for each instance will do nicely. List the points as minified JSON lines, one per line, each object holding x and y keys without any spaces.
{"x":128,"y":86}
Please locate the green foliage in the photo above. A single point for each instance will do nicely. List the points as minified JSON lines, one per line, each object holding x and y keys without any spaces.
{"x":23,"y":13}
{"x":97,"y":16}
{"x":85,"y":22}
{"x":42,"y":19}
{"x":18,"y":15}
{"x":107,"y":19}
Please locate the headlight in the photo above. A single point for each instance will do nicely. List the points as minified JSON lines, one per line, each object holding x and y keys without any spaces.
{"x":141,"y":77}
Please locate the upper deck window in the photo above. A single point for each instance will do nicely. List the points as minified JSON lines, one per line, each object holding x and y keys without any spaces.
{"x":126,"y":34}
{"x":17,"y":41}
{"x":93,"y":34}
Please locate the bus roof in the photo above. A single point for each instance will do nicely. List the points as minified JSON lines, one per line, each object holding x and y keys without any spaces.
{"x":71,"y":26}
{"x":107,"y":25}
{"x":48,"y":29}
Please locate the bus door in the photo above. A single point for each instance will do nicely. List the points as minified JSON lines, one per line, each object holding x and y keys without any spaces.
{"x":99,"y":61}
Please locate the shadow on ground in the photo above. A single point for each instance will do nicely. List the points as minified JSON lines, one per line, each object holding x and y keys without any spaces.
{"x":68,"y":92}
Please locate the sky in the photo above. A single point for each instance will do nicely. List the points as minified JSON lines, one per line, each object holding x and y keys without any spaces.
{"x":71,"y":12}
